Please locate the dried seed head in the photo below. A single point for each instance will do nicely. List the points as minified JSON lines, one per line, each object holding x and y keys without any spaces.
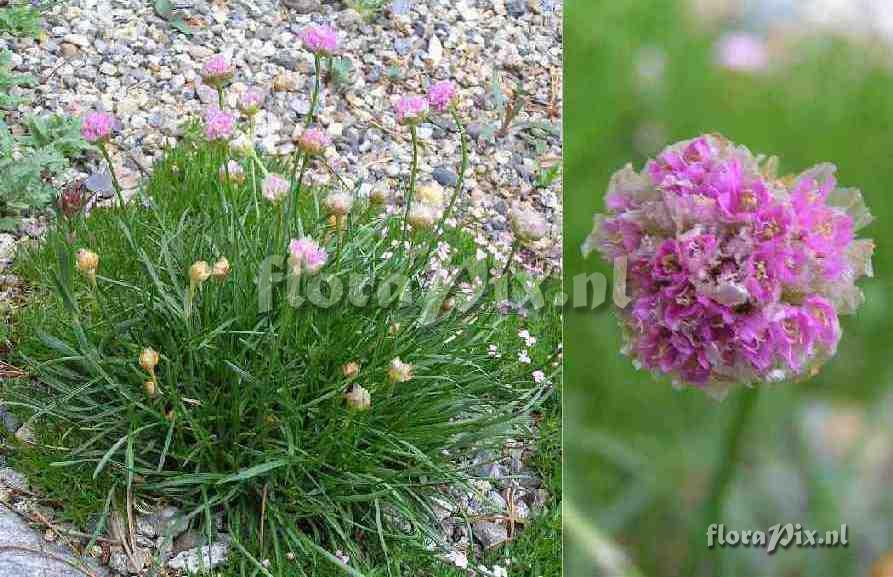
{"x":394,"y":329}
{"x":358,"y":398}
{"x":381,"y":194}
{"x":221,"y":268}
{"x":88,"y":262}
{"x":199,"y":272}
{"x":351,"y":369}
{"x":149,"y":360}
{"x":421,"y":216}
{"x":338,"y":203}
{"x":399,"y":372}
{"x":430,"y":194}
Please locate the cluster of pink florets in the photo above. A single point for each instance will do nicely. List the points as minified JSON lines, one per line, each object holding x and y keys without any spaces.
{"x":734,"y":275}
{"x":97,"y":126}
{"x":219,"y":125}
{"x":321,"y":40}
{"x":412,"y":109}
{"x":306,"y":256}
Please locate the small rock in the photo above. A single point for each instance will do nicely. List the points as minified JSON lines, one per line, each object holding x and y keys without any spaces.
{"x":12,"y":479}
{"x":79,"y":40}
{"x":490,"y":534}
{"x":69,"y":51}
{"x":303,"y":6}
{"x":207,"y":557}
{"x":435,"y":51}
{"x":444,"y":176}
{"x":285,"y":82}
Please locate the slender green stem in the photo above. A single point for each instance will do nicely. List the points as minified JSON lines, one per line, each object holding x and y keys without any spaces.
{"x":108,"y":159}
{"x":251,"y":134}
{"x":413,"y":170}
{"x":314,"y":100}
{"x":712,"y":511}
{"x":220,"y":96}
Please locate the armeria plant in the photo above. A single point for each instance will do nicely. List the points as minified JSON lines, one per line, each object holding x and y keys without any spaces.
{"x":313,"y":363}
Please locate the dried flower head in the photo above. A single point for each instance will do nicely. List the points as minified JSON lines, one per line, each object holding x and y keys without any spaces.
{"x":199,"y":272}
{"x":441,"y":95}
{"x":221,"y":268}
{"x":313,"y":141}
{"x":527,"y":224}
{"x":321,"y":40}
{"x":233,"y":170}
{"x":72,"y":199}
{"x":274,"y":187}
{"x":399,"y":372}
{"x":734,"y":275}
{"x":219,"y":125}
{"x":217,"y":71}
{"x":149,"y":360}
{"x":421,"y":216}
{"x":430,"y":194}
{"x":251,"y":100}
{"x":88,"y":263}
{"x":306,"y":256}
{"x":338,"y":203}
{"x":358,"y":398}
{"x":411,"y":109}
{"x":350,"y":370}
{"x":97,"y":127}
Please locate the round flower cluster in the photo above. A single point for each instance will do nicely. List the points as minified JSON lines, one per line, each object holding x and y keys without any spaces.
{"x":441,"y":95}
{"x":217,"y":71}
{"x":734,"y":275}
{"x":305,"y":255}
{"x":313,"y":141}
{"x":321,"y":40}
{"x":411,"y":109}
{"x":250,"y":101}
{"x":97,"y":126}
{"x":219,"y":125}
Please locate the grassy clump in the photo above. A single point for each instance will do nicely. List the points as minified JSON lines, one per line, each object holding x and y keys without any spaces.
{"x":247,"y":413}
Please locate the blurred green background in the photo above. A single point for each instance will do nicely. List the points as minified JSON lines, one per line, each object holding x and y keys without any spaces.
{"x":639,"y":454}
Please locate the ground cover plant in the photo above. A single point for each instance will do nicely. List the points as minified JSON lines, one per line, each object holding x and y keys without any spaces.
{"x":308,"y":365}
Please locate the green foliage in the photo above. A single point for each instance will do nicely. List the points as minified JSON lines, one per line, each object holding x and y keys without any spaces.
{"x":20,"y":20}
{"x":28,"y":163}
{"x":10,"y":80}
{"x":250,"y":414}
{"x":368,"y":8}
{"x":166,"y":9}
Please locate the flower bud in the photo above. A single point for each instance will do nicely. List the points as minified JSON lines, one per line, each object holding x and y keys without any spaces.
{"x":394,"y":329}
{"x":351,"y":369}
{"x":233,"y":170}
{"x":149,"y":360}
{"x":358,"y":398}
{"x":151,"y":388}
{"x":528,"y":225}
{"x":199,"y":272}
{"x":399,"y":372}
{"x":88,"y":261}
{"x":220,"y":270}
{"x":381,"y":194}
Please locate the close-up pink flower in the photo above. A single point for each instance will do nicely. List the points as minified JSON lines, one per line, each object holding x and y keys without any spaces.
{"x":411,"y":109}
{"x":322,"y":40}
{"x":735,"y":275}
{"x":441,"y":95}
{"x":219,"y":125}
{"x":97,"y":126}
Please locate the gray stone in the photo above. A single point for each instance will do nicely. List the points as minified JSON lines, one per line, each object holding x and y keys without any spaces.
{"x":444,"y":176}
{"x":13,"y":479}
{"x":490,"y":534}
{"x":24,"y":552}
{"x":207,"y":557}
{"x":302,"y":6}
{"x":10,"y":422}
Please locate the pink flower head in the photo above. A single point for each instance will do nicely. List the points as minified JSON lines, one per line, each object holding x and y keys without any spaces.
{"x":250,"y":101}
{"x":741,"y":52}
{"x":313,"y":141}
{"x":217,"y":71}
{"x":97,"y":126}
{"x":219,"y":125}
{"x":733,"y":275}
{"x":305,"y":255}
{"x":321,"y":40}
{"x":441,"y":95}
{"x":411,"y":109}
{"x":274,"y":187}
